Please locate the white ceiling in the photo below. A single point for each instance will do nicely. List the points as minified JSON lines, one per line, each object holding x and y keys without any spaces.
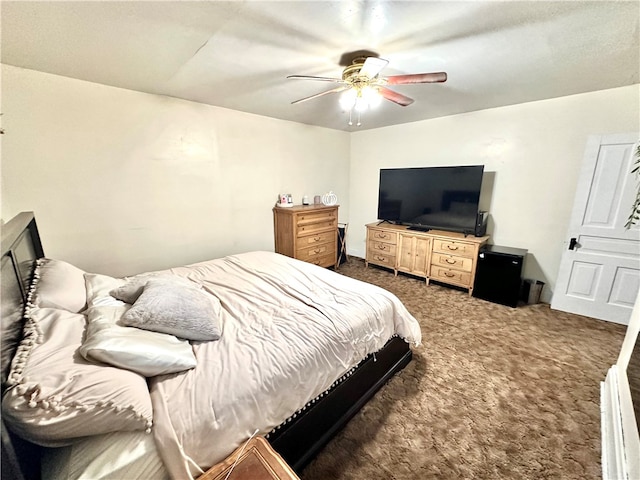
{"x":237,"y":54}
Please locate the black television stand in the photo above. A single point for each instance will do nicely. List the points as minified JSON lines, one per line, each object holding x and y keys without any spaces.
{"x":419,"y":228}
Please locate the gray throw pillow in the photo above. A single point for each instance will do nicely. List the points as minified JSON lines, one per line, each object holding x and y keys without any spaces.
{"x":173,"y":307}
{"x":130,"y":291}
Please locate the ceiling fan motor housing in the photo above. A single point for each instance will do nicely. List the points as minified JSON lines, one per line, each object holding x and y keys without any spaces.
{"x":350,"y":73}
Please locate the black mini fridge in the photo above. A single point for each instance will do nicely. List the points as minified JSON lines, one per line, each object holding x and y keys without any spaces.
{"x":499,"y":274}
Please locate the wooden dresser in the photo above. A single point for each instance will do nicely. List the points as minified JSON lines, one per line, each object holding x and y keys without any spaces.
{"x":446,"y":257}
{"x":255,"y":461}
{"x":307,"y":232}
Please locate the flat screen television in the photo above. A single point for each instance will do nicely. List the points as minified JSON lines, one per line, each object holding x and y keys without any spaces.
{"x":425,"y":198}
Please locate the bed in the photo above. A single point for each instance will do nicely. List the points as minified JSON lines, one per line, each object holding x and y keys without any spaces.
{"x":293,"y":353}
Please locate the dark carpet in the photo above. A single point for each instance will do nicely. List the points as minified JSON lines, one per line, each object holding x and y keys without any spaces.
{"x":493,"y":393}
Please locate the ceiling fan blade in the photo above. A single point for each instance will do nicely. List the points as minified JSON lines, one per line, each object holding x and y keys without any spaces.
{"x":395,"y":97}
{"x":372,"y":67}
{"x":417,"y":78}
{"x":333,"y":90}
{"x":322,"y":79}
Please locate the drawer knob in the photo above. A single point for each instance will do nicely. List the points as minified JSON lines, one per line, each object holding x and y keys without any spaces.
{"x":452,"y":247}
{"x":450,"y":261}
{"x":381,"y":246}
{"x":317,"y":239}
{"x":449,"y":274}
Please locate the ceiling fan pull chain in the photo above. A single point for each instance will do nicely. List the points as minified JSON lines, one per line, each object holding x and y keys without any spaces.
{"x":359,"y":123}
{"x":350,"y":122}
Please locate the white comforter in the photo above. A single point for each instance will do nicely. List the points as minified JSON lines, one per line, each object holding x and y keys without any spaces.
{"x":289,"y":330}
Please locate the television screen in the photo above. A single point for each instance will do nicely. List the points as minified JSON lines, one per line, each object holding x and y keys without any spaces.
{"x":443,"y":198}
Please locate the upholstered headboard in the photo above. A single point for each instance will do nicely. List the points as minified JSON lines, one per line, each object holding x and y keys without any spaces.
{"x":21,"y":247}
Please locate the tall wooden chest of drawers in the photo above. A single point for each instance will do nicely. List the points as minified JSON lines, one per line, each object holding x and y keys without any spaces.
{"x":307,"y":232}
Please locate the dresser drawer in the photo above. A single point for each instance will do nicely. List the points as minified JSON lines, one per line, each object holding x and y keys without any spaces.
{"x":447,"y":275}
{"x":382,"y":236}
{"x":452,"y":261}
{"x":316,"y":251}
{"x":317,"y":227}
{"x":381,"y":258}
{"x":381,"y":247}
{"x":451,"y":246}
{"x":324,"y":260}
{"x":316,"y":239}
{"x":307,"y":218}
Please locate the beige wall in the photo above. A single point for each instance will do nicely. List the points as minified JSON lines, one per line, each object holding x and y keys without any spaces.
{"x":532,"y":155}
{"x":123,"y":182}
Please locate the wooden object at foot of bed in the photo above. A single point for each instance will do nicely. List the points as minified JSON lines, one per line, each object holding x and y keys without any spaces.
{"x":301,"y":439}
{"x":254,"y":460}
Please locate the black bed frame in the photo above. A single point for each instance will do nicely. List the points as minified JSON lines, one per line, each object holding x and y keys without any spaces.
{"x":297,"y":440}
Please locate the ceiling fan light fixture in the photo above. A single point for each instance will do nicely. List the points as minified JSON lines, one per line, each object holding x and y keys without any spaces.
{"x":348,"y":99}
{"x":372,"y":96}
{"x":360,"y":98}
{"x":361,"y":104}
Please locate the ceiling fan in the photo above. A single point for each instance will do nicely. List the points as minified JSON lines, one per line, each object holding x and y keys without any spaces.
{"x":363,"y":79}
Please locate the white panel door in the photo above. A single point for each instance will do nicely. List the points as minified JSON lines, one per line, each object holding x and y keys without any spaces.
{"x":599,"y":273}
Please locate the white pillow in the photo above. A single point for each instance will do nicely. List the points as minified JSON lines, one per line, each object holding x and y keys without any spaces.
{"x":58,"y":284}
{"x":98,"y":287}
{"x":147,"y":353}
{"x":172,"y":306}
{"x":54,"y":395}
